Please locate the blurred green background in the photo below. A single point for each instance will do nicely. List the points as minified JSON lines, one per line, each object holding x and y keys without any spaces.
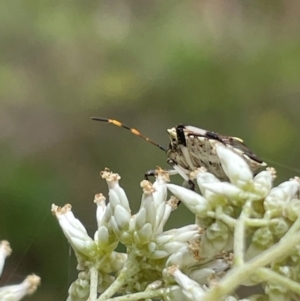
{"x":228,"y":66}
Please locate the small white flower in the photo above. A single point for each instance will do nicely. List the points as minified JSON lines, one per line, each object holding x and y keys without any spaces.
{"x":99,"y":200}
{"x":18,"y":291}
{"x":169,"y":242}
{"x":74,"y":231}
{"x":5,"y":251}
{"x":184,"y":258}
{"x":147,"y":212}
{"x":118,"y":214}
{"x":160,"y":188}
{"x":104,"y":236}
{"x":190,"y":288}
{"x":154,"y":202}
{"x":163,"y":212}
{"x":112,"y":180}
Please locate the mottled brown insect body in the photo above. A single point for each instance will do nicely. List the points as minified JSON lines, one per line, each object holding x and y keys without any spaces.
{"x":191,"y":147}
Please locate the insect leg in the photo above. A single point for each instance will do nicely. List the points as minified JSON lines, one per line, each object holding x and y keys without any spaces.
{"x":151,"y":173}
{"x":182,"y":172}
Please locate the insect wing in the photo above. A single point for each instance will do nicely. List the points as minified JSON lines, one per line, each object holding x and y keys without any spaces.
{"x":236,"y":144}
{"x":239,"y":145}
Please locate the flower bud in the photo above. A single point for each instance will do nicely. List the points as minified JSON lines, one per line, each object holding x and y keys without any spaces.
{"x":263,"y":182}
{"x":160,"y":187}
{"x":147,"y":212}
{"x":106,"y":239}
{"x":117,"y":261}
{"x":234,"y":194}
{"x":122,"y":217}
{"x":279,"y":197}
{"x":277,"y":291}
{"x":234,"y":166}
{"x":204,"y":177}
{"x":183,"y":258}
{"x":173,"y":240}
{"x":190,"y":288}
{"x":262,"y":239}
{"x":112,"y":180}
{"x":173,"y":293}
{"x":193,"y":201}
{"x":215,"y":239}
{"x":101,"y":207}
{"x":292,"y":210}
{"x":80,"y":288}
{"x":280,"y":226}
{"x":144,"y":234}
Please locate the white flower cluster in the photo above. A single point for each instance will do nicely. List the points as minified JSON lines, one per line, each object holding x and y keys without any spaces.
{"x":245,"y":233}
{"x":18,"y":291}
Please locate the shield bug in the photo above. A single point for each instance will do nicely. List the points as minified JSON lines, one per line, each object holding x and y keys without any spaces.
{"x":191,"y":147}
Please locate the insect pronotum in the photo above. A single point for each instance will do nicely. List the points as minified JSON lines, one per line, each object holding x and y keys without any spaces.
{"x":191,"y":147}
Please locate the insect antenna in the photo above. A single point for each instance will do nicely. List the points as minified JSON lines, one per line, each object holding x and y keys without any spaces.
{"x":283,"y":166}
{"x":132,"y":130}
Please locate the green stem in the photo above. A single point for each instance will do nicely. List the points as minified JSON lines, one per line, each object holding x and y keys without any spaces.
{"x":140,"y":296}
{"x":256,"y":222}
{"x":239,"y":240}
{"x":228,"y":220}
{"x":239,"y":235}
{"x":93,"y":283}
{"x":269,"y":275}
{"x":131,"y":267}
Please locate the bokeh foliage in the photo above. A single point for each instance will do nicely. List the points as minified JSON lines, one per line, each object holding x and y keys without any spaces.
{"x":228,"y":66}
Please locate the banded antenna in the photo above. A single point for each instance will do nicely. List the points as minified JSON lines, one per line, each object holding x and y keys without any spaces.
{"x":132,"y":130}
